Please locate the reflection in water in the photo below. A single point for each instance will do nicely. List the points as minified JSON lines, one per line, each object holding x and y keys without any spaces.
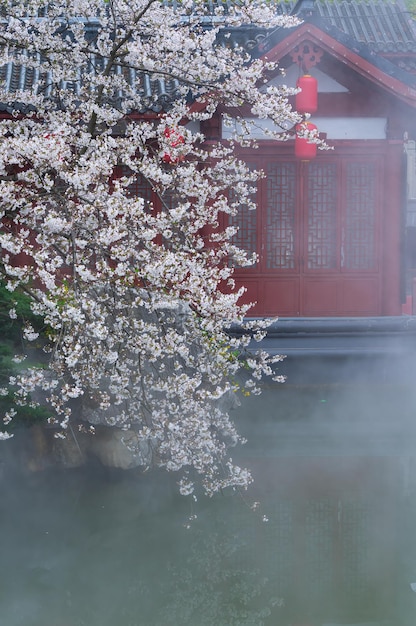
{"x":336,"y":475}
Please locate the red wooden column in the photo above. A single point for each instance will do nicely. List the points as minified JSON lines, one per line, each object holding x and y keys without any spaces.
{"x":391,"y":234}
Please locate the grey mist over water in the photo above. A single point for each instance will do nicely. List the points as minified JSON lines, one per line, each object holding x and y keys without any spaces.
{"x":335,"y":474}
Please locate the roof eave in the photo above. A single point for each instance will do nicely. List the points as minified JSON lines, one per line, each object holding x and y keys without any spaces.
{"x":353,"y":54}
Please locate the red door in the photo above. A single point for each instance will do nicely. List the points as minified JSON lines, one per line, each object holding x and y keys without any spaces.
{"x":317,"y":232}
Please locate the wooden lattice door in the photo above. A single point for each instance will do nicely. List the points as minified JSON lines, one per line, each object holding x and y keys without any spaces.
{"x":317,"y":232}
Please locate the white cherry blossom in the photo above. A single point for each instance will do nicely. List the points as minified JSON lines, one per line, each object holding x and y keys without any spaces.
{"x":118,"y":229}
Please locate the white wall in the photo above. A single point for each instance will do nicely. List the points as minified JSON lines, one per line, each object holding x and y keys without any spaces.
{"x":334,"y":127}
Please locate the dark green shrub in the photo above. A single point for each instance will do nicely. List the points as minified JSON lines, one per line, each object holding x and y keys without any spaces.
{"x":11,"y":344}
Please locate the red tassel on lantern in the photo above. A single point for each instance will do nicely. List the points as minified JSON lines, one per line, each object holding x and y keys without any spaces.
{"x":307,"y":98}
{"x":304,"y":149}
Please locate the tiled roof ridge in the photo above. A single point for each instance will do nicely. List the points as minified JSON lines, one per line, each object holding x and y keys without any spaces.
{"x":385,"y":25}
{"x":385,"y":29}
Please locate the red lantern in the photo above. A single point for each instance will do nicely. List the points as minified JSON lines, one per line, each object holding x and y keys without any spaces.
{"x":307,"y":98}
{"x":174,"y":140}
{"x":304,"y":149}
{"x":167,"y":158}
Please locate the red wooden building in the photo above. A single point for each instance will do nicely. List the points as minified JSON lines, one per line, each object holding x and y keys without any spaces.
{"x":335,"y":235}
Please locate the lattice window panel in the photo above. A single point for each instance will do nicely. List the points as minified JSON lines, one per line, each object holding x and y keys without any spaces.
{"x":246,"y":236}
{"x":139,"y":187}
{"x":246,"y":220}
{"x":358,"y":250}
{"x":280,"y":219}
{"x":322,"y":245}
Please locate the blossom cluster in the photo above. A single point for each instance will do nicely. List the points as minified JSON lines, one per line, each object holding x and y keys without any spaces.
{"x":126,"y":252}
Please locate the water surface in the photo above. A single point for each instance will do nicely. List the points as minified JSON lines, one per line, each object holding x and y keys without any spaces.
{"x":335,"y":473}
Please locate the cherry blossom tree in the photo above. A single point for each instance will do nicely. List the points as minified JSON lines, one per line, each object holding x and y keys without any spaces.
{"x":135,"y":290}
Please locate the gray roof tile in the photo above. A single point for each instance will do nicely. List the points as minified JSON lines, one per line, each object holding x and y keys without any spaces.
{"x":385,"y":26}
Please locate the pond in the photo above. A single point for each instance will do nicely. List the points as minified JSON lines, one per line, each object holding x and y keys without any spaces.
{"x":335,"y":475}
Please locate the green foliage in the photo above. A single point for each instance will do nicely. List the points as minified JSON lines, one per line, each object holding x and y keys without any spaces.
{"x":411,"y":5}
{"x":11,"y":329}
{"x":11,"y":343}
